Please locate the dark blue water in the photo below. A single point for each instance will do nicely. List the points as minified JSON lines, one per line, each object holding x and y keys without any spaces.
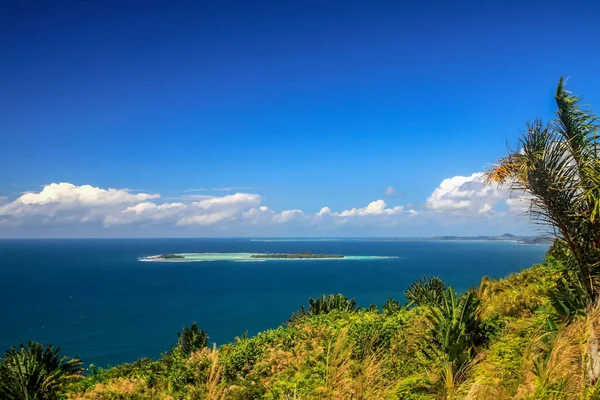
{"x":94,"y":299}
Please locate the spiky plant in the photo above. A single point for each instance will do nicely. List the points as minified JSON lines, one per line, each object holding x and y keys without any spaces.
{"x":324,"y":305}
{"x":391,"y":306}
{"x":426,"y":291}
{"x":453,"y":335}
{"x":35,"y":372}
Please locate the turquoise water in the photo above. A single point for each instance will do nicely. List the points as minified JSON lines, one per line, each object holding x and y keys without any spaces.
{"x":96,"y":299}
{"x":248,"y":257}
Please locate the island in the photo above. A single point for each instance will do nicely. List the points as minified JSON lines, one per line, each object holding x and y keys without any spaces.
{"x":167,"y":256}
{"x":303,"y":254}
{"x":507,"y":237}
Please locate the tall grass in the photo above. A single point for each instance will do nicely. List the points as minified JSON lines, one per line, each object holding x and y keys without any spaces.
{"x":558,"y":362}
{"x":215,"y":390}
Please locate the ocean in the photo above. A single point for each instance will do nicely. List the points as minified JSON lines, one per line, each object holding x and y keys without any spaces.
{"x":95,"y":299}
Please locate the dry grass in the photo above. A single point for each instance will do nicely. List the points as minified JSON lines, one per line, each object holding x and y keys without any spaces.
{"x":337,"y":366}
{"x":368,"y":381}
{"x":214,"y":388}
{"x":514,"y":296}
{"x":488,"y":381}
{"x":347,"y":377}
{"x":124,"y":389}
{"x":558,"y":365}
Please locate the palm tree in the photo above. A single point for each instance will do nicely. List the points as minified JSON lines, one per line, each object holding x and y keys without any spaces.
{"x":556,"y":167}
{"x":36,"y":373}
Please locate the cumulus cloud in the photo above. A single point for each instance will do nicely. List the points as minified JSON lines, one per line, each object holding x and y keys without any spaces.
{"x":68,"y":204}
{"x":324,"y":211}
{"x":69,"y":194}
{"x":470,"y":196}
{"x":287,"y":215}
{"x":146,"y":212}
{"x":205,"y":211}
{"x":377,"y":207}
{"x":519,"y":204}
{"x":65,"y":202}
{"x":375,"y":213}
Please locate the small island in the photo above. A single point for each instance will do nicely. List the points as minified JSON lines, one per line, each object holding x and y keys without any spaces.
{"x":303,"y":254}
{"x":167,"y":256}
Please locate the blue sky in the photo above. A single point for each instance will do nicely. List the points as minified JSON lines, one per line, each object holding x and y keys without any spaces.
{"x":303,"y":104}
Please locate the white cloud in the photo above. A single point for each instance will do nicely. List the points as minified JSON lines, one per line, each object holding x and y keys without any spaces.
{"x":67,"y":203}
{"x":465,"y":195}
{"x":258,"y":215}
{"x":146,"y":212}
{"x":205,"y":211}
{"x":60,"y":204}
{"x":287,"y":215}
{"x":519,"y":204}
{"x":469,"y":196}
{"x":216,"y":209}
{"x":377,"y":207}
{"x":391,"y":191}
{"x":324,"y":211}
{"x":376,"y":213}
{"x":67,"y":193}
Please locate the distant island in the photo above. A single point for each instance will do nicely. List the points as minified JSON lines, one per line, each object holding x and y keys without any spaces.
{"x":303,"y":254}
{"x":505,"y":237}
{"x":167,"y":256}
